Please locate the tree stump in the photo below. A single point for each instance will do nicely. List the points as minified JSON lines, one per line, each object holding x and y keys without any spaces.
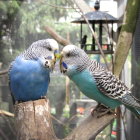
{"x":33,"y":121}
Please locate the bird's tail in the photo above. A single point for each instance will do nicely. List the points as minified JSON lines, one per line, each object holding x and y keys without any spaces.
{"x":135,"y":111}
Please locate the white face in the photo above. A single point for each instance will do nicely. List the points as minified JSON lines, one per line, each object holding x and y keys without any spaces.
{"x":53,"y":49}
{"x":69,"y":59}
{"x":72,"y":59}
{"x":47,"y":57}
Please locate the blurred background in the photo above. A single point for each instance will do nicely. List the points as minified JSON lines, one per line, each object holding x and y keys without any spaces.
{"x":21,"y":23}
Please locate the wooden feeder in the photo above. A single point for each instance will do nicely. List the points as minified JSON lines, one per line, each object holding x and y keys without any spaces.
{"x":99,"y":20}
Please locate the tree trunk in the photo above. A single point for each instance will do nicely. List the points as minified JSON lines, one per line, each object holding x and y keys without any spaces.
{"x":33,"y":121}
{"x":126,"y":35}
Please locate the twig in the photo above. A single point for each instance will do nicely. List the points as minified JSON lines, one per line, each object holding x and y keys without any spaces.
{"x":6,"y":113}
{"x":94,"y":35}
{"x":57,"y":37}
{"x":57,"y":120}
{"x":4,"y":72}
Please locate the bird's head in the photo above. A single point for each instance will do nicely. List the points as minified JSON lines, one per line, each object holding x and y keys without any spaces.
{"x":54,"y":49}
{"x":45,"y":51}
{"x":73,"y":59}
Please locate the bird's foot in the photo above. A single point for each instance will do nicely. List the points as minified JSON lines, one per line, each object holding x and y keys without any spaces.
{"x":44,"y":97}
{"x":18,"y":102}
{"x":106,"y":111}
{"x":96,"y":108}
{"x":101,"y":110}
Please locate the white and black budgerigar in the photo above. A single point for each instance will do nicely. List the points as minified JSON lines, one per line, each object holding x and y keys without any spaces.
{"x":29,"y":73}
{"x":95,"y":81}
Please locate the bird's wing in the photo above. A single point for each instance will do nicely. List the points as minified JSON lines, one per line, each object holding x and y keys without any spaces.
{"x":112,"y":87}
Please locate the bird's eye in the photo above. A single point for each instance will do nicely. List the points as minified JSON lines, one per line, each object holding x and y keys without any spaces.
{"x":49,"y":48}
{"x":68,"y":54}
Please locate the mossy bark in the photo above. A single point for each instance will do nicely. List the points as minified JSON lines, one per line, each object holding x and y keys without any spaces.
{"x":126,"y":35}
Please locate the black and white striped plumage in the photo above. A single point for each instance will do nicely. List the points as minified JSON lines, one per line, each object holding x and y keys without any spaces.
{"x":41,"y":48}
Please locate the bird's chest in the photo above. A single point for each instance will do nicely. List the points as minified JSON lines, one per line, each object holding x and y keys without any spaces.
{"x":86,"y":83}
{"x":28,"y":73}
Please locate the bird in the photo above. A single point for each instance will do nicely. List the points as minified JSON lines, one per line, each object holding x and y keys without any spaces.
{"x":95,"y":81}
{"x":29,"y":73}
{"x":83,"y":42}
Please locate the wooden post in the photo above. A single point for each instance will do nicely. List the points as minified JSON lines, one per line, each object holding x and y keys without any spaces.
{"x":33,"y":121}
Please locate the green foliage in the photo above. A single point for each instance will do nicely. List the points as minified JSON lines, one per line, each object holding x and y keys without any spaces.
{"x":38,"y":14}
{"x":3,"y":7}
{"x":13,"y":7}
{"x":22,"y":22}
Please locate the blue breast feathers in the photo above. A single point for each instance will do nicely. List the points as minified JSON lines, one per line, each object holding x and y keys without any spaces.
{"x":87,"y":84}
{"x":29,"y":80}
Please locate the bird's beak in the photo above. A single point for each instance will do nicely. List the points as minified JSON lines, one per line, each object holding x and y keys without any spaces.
{"x":60,"y":62}
{"x":53,"y":60}
{"x":57,"y":54}
{"x":62,"y":69}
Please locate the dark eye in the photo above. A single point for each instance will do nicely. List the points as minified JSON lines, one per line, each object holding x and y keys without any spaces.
{"x":68,"y":54}
{"x":49,"y":48}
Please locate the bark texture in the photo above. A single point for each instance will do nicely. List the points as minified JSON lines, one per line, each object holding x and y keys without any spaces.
{"x":33,"y":121}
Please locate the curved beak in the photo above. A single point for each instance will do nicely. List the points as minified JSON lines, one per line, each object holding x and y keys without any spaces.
{"x":57,"y":54}
{"x":53,"y":59}
{"x":62,"y":64}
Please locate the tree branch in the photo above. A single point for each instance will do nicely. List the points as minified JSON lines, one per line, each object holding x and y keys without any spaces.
{"x":90,"y":127}
{"x":126,"y":35}
{"x":85,"y":8}
{"x":4,"y":72}
{"x":56,"y":36}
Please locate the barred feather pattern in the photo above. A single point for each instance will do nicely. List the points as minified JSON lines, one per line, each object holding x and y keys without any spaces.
{"x":80,"y":60}
{"x":111,"y":86}
{"x":37,"y":49}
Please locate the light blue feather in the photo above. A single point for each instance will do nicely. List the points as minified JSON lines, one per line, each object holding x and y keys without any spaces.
{"x":87,"y":85}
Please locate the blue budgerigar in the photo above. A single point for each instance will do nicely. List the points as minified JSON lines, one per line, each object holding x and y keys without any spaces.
{"x":95,"y":81}
{"x":29,"y":73}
